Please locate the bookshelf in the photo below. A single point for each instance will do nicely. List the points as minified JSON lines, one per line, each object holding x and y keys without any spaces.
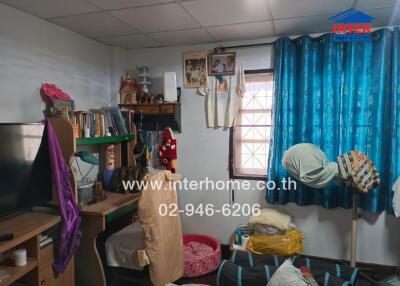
{"x":89,"y":268}
{"x":70,"y":145}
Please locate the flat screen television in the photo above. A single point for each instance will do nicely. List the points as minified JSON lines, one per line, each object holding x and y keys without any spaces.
{"x":25,"y":173}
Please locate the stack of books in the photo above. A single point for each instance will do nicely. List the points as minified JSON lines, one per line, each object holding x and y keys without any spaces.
{"x":108,"y":121}
{"x":45,"y":240}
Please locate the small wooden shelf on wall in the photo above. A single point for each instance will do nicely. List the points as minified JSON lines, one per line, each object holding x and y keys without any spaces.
{"x":157,"y":116}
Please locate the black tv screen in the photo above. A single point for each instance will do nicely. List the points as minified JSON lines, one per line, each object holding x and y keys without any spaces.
{"x":25,"y":173}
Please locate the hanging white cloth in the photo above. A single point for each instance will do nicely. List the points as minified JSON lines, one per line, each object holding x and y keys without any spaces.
{"x":309,"y":164}
{"x":223,"y":98}
{"x":396,"y":197}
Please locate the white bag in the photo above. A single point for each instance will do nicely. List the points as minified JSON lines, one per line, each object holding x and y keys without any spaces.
{"x":287,"y":275}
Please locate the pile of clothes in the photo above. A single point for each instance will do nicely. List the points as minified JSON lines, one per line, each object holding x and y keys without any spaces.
{"x":272,"y":232}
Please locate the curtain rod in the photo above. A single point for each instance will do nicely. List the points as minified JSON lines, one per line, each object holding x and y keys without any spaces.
{"x":248,"y":46}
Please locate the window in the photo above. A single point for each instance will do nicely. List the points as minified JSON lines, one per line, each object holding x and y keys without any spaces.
{"x":249,"y":139}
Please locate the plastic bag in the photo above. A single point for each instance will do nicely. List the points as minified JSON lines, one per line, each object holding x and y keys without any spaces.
{"x":285,"y":245}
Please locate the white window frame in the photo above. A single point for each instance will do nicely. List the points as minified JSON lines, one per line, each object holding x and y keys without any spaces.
{"x":246,"y":173}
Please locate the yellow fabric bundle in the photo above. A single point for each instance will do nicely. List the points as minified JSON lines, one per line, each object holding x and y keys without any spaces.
{"x":285,"y":245}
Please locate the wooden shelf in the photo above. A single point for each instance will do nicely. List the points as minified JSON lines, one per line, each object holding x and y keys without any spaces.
{"x":157,"y":116}
{"x":16,"y":272}
{"x":24,"y":227}
{"x":147,"y":104}
{"x":103,"y":140}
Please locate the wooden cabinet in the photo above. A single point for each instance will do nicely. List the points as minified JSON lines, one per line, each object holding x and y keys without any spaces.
{"x":46,"y":273}
{"x":38,"y":271}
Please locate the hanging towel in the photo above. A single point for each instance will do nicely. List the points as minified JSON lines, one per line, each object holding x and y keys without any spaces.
{"x":70,"y":220}
{"x":308,"y":164}
{"x":162,"y":234}
{"x":357,"y":171}
{"x":223,"y":99}
{"x":396,"y":197}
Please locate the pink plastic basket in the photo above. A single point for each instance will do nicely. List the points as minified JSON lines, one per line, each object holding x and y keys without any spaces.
{"x":201,"y":263}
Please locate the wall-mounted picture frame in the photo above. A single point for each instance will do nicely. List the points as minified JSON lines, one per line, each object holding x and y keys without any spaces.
{"x":195,"y":69}
{"x":222,"y":63}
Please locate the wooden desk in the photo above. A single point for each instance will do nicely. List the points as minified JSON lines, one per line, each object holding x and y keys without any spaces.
{"x":89,"y":269}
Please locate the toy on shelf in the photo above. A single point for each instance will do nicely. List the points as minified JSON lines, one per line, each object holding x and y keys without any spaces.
{"x":110,"y":165}
{"x":167,"y":152}
{"x":58,"y":103}
{"x":129,"y":90}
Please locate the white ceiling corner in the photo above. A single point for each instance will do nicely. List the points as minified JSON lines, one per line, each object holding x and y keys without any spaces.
{"x":301,"y":8}
{"x":52,"y":8}
{"x":95,"y":25}
{"x":130,"y":41}
{"x":224,"y":12}
{"x":152,"y":23}
{"x":158,"y":18}
{"x":183,"y":37}
{"x":242,"y":31}
{"x":122,"y":4}
{"x":372,"y":4}
{"x":301,"y":26}
{"x":385,"y":16}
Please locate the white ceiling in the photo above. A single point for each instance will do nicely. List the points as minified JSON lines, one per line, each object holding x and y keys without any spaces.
{"x":152,"y":23}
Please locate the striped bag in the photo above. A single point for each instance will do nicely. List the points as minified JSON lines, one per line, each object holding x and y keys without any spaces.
{"x":247,"y":269}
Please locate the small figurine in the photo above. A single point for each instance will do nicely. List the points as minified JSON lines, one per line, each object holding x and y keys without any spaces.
{"x":129,"y":90}
{"x":167,"y":152}
{"x":160,"y":98}
{"x":110,"y":165}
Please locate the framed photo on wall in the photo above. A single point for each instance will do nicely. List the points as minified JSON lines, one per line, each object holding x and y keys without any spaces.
{"x":195,"y":69}
{"x":222,"y":64}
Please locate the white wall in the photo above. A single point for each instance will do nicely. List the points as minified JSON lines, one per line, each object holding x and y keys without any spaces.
{"x":33,"y":51}
{"x":204,"y":152}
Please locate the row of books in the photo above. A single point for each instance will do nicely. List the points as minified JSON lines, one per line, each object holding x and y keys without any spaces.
{"x":108,"y":121}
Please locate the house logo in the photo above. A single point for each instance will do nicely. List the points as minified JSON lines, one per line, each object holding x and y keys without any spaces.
{"x":351,"y":26}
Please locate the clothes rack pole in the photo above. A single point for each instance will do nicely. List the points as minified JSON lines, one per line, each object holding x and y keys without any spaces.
{"x":354,"y":226}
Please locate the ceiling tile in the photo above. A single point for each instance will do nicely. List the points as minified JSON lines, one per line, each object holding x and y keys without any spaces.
{"x":303,"y":25}
{"x":185,"y":37}
{"x":242,"y":31}
{"x":295,"y":8}
{"x":385,"y":16}
{"x":223,"y":12}
{"x":157,"y":18}
{"x":95,"y":25}
{"x":119,"y":4}
{"x":130,"y":42}
{"x":52,"y":8}
{"x":372,"y":4}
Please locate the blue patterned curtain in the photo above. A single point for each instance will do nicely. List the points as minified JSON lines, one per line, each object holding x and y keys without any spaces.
{"x":341,"y":97}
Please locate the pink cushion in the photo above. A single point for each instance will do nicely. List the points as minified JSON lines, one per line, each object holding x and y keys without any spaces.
{"x":202,"y":254}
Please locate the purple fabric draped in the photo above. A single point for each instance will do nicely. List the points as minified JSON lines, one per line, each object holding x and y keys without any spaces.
{"x":70,"y":233}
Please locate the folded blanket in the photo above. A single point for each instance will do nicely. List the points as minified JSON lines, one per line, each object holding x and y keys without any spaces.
{"x":272,"y":217}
